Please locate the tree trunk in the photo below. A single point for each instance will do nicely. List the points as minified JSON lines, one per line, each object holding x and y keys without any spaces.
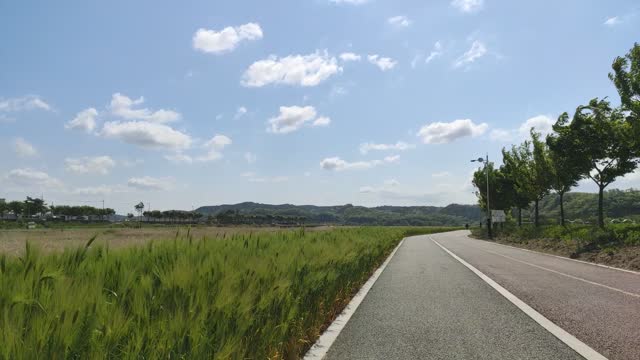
{"x":536,"y":217}
{"x":519,"y":216}
{"x":601,"y":207}
{"x":562,"y":208}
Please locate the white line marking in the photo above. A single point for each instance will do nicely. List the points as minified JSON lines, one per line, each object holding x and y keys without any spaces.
{"x":558,"y":256}
{"x":570,"y":340}
{"x":323,"y":344}
{"x":561,"y":273}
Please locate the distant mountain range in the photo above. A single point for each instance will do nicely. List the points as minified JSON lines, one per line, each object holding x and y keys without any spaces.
{"x":578,"y":205}
{"x":453,"y":214}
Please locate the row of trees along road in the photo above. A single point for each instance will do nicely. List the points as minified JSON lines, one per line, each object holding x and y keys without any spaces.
{"x":599,"y":142}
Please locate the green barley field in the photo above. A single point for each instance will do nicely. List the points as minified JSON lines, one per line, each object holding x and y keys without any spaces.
{"x":244,"y":296}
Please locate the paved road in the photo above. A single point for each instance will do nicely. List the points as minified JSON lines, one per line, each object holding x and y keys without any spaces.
{"x":427,"y":305}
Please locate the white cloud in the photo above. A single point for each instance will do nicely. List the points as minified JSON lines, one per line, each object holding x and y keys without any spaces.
{"x":501,"y":135}
{"x":337,"y":164}
{"x":23,"y":149}
{"x":542,"y":124}
{"x":300,"y":70}
{"x":29,"y":102}
{"x":399,"y":21}
{"x":122,"y":106}
{"x":321,"y":121}
{"x":218,"y":142}
{"x":250,"y":157}
{"x":399,"y":146}
{"x":467,"y":6}
{"x":226,"y":40}
{"x":477,"y":50}
{"x":30,"y":178}
{"x":90,"y":165}
{"x":241,"y":112}
{"x":612,"y":21}
{"x":292,"y":118}
{"x":147,"y":135}
{"x":214,"y":146}
{"x":151,"y":183}
{"x":442,"y":133}
{"x":384,"y":63}
{"x":349,"y":56}
{"x":351,"y":2}
{"x":367,"y":189}
{"x":435,"y":53}
{"x":85,"y":120}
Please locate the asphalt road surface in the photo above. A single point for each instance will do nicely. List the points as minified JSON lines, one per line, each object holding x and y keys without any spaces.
{"x":428,"y":305}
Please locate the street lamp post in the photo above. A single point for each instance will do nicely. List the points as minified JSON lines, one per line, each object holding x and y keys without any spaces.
{"x":486,"y":166}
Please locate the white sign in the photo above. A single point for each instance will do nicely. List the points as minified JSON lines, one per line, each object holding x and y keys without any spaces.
{"x":498,"y":216}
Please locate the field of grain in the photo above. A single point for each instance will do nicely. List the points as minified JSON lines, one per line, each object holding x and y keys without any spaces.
{"x":244,"y":295}
{"x":54,"y":240}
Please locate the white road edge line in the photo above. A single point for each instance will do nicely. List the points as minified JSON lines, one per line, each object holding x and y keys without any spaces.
{"x":563,"y":274}
{"x":578,"y":346}
{"x":324,"y":342}
{"x":561,"y":257}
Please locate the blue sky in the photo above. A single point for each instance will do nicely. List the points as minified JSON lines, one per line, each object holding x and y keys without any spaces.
{"x":183,"y":104}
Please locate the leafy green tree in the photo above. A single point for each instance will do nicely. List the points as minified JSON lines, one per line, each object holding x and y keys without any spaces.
{"x":33,"y":206}
{"x":542,"y":177}
{"x":565,"y":170}
{"x":3,"y":207}
{"x":500,"y":188}
{"x":605,"y":145}
{"x":626,"y":77}
{"x":16,"y":207}
{"x":517,"y":168}
{"x":139,"y":208}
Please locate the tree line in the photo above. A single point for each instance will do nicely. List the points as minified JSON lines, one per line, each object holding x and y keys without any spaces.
{"x":598,"y":142}
{"x":172,"y":216}
{"x":37,"y":207}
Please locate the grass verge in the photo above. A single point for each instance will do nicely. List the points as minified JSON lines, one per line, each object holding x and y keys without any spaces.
{"x":617,"y":245}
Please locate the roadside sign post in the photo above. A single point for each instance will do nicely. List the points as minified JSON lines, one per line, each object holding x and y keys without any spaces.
{"x":498,"y":216}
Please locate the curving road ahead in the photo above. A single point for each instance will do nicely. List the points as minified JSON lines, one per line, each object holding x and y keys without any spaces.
{"x":428,"y":305}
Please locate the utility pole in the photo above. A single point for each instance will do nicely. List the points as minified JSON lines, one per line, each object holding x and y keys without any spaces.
{"x":490,"y":224}
{"x":485,"y":160}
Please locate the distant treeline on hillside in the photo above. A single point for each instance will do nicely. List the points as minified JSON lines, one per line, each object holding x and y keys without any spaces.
{"x":454,"y":214}
{"x":578,"y":205}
